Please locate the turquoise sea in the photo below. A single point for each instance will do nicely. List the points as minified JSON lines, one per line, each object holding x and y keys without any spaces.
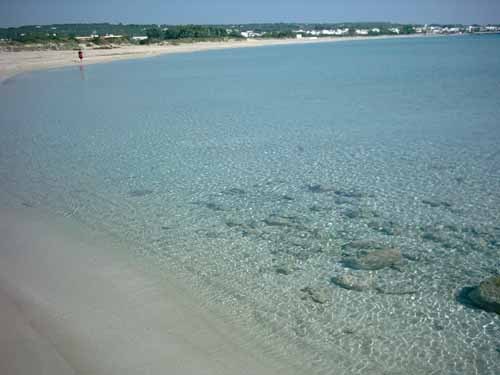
{"x":257,"y":175}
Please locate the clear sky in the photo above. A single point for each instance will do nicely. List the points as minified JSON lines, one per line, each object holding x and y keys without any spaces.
{"x":23,"y":12}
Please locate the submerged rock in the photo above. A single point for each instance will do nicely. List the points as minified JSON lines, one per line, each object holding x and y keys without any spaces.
{"x":285,"y":266}
{"x":388,"y":227}
{"x":234,"y":191}
{"x":315,"y":208}
{"x":214,"y":206}
{"x":359,"y":213}
{"x":487,"y":294}
{"x":318,"y":295}
{"x":372,"y":260}
{"x":344,"y":200}
{"x":434,"y":236}
{"x":441,"y":235}
{"x":395,"y":290}
{"x":317,"y":188}
{"x":351,"y":282}
{"x":436,"y":203}
{"x":284,"y":269}
{"x":363,"y":244}
{"x":285,"y":221}
{"x":278,"y":221}
{"x":245,"y":228}
{"x":349,"y":193}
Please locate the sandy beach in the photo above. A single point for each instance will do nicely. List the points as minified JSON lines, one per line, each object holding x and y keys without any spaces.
{"x":72,"y":303}
{"x":12,"y":63}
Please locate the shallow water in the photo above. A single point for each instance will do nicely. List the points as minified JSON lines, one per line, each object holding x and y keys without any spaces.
{"x":249,"y":172}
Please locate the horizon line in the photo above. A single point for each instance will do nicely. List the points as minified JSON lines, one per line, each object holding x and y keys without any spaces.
{"x":249,"y":23}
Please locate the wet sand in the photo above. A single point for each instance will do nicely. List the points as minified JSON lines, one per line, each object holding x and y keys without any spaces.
{"x":72,"y":302}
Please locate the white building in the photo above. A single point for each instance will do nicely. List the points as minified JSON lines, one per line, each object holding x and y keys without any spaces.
{"x":375,"y":30}
{"x":361,"y":32}
{"x":341,"y":32}
{"x":112,"y":36}
{"x":139,"y":38}
{"x":436,"y":29}
{"x":84,"y":38}
{"x":394,"y":30}
{"x":251,"y":34}
{"x":328,"y":32}
{"x":314,"y":32}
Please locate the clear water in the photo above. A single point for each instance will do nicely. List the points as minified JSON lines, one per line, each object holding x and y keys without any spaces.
{"x":246,"y":172}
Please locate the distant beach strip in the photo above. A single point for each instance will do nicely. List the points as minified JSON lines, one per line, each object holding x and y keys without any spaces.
{"x":13,"y":63}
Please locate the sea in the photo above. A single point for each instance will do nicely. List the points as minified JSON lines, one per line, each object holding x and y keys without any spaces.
{"x":266,"y":178}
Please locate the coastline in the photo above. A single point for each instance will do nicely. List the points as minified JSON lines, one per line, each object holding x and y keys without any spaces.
{"x":201,"y":187}
{"x":76,"y":304}
{"x":73,"y":302}
{"x":13,"y":63}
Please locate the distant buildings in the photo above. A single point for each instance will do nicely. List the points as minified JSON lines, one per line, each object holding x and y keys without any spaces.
{"x":303,"y":31}
{"x":86,"y":38}
{"x":341,"y":32}
{"x":324,"y":32}
{"x":111,"y":36}
{"x":345,"y":31}
{"x":251,"y":34}
{"x":95,"y":36}
{"x":494,"y":29}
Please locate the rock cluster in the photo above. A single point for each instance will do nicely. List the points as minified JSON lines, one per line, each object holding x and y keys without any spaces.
{"x":462,"y":238}
{"x":317,"y":295}
{"x":351,"y":282}
{"x":372,"y":259}
{"x":487,"y":294}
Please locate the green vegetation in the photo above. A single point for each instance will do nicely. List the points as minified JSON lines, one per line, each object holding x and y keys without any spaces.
{"x":104,"y":34}
{"x":44,"y":32}
{"x":198,"y":32}
{"x":281,"y":34}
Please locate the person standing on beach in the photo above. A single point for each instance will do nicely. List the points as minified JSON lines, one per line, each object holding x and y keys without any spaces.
{"x":80,"y":55}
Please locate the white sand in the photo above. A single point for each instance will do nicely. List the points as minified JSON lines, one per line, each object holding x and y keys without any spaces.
{"x":12,"y":63}
{"x":74,"y":303}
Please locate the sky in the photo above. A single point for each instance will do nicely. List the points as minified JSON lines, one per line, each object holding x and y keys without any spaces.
{"x":34,"y":12}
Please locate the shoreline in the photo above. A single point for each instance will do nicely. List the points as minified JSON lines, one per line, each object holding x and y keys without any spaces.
{"x":14,"y":63}
{"x":74,"y":301}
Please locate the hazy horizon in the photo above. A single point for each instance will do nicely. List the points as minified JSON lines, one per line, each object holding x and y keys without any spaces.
{"x":252,"y":23}
{"x":33,"y":12}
